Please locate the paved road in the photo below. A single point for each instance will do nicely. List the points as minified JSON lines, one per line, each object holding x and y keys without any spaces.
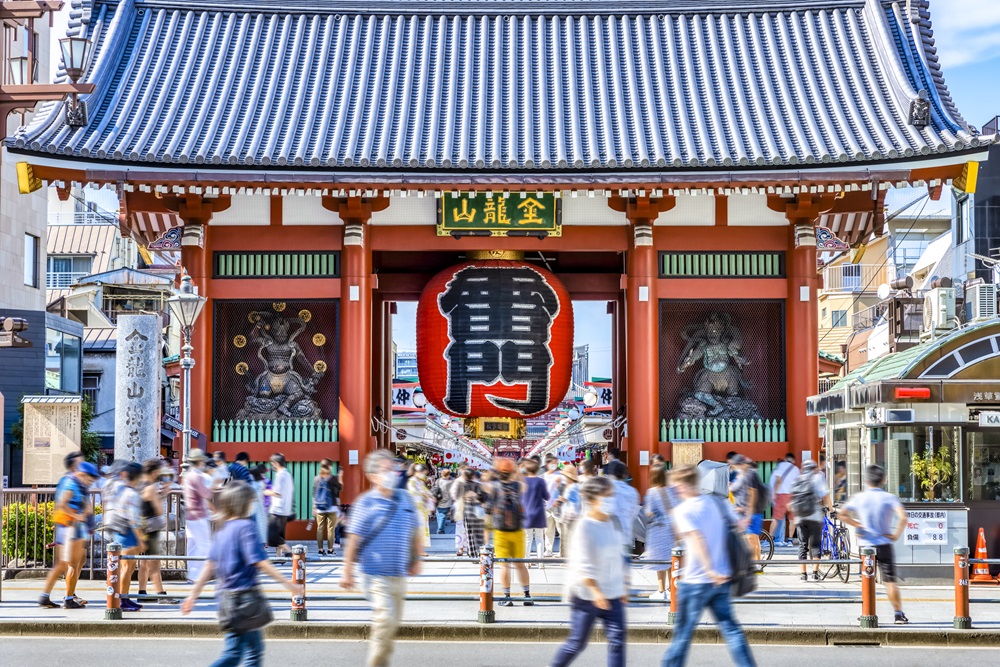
{"x":196,"y":653}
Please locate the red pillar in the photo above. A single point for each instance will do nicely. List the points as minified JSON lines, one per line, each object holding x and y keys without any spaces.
{"x":355,"y":357}
{"x":642,"y":354}
{"x":801,"y":347}
{"x":197,"y":261}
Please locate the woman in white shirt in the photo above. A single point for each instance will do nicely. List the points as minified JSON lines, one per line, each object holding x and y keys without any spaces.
{"x":597,"y":579}
{"x":282,"y":494}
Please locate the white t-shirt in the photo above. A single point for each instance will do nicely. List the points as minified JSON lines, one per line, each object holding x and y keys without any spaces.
{"x":596,"y":553}
{"x":627,"y":505}
{"x":283,"y":484}
{"x":704,"y":514}
{"x":788,"y":472}
{"x":876,"y":512}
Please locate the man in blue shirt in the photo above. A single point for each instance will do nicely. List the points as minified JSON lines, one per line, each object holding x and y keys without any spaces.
{"x":385,"y":533}
{"x":880,"y":520}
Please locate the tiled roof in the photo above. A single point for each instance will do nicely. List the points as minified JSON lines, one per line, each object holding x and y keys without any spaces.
{"x":499,"y":85}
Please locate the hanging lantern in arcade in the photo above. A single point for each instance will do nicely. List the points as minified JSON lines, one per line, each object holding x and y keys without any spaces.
{"x":494,"y":338}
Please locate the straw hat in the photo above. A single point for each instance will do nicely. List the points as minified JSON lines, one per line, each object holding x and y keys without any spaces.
{"x":571,"y":473}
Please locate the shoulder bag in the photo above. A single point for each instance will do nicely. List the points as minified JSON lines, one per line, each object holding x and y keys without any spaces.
{"x":381,"y":526}
{"x":743,"y":580}
{"x":244,"y":611}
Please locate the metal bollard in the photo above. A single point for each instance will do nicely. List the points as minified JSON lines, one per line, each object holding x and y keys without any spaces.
{"x":298,"y":612}
{"x":869,"y":617}
{"x":675,"y":572}
{"x":963,"y":621}
{"x":486,"y":612}
{"x":113,"y":610}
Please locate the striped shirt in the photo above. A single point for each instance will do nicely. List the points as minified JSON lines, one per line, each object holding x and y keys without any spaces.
{"x":389,"y":552}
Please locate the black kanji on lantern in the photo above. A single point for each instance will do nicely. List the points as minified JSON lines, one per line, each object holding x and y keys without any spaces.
{"x":499,"y":322}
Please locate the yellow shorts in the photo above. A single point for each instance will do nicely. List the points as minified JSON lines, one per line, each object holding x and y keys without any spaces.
{"x":508,"y":544}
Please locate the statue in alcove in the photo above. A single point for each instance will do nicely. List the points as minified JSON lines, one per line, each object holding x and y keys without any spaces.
{"x":718,"y":390}
{"x":280,"y":391}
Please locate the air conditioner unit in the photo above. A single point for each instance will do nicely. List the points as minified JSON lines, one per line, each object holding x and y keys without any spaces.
{"x":982,"y":300}
{"x":939,"y":309}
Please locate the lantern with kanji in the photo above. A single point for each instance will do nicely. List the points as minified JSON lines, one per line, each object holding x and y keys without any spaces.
{"x":494,"y":339}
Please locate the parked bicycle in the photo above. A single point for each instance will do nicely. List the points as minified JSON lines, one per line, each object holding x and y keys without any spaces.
{"x":835,"y":544}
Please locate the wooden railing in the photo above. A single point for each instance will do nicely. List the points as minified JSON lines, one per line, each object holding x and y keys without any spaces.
{"x":274,"y":430}
{"x":723,"y":430}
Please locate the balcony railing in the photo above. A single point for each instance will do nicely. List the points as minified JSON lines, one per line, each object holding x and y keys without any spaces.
{"x":826,"y":384}
{"x":723,"y":430}
{"x":854,"y":278}
{"x":63,"y":280}
{"x":83,"y":218}
{"x":273,"y":430}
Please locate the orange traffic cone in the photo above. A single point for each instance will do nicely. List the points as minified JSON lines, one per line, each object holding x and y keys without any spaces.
{"x":981,"y":571}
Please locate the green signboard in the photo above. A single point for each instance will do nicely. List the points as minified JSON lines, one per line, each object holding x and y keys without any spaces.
{"x":494,"y":214}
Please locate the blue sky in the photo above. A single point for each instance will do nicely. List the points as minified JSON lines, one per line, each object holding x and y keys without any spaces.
{"x":967,"y":35}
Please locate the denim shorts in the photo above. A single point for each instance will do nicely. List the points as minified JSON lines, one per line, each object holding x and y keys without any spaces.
{"x":127,"y":540}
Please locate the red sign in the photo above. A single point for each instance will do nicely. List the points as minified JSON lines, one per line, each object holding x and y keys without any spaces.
{"x":494,"y":339}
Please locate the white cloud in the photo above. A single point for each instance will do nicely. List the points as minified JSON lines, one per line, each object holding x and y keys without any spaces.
{"x":966,"y":31}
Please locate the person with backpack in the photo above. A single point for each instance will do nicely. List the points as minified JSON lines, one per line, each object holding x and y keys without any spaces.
{"x":702,"y":523}
{"x":326,"y":512}
{"x":234,"y":560}
{"x":384,"y":536}
{"x":781,"y":482}
{"x":73,"y":518}
{"x":751,"y":501}
{"x":445,"y":502}
{"x":809,"y":496}
{"x":507,"y":517}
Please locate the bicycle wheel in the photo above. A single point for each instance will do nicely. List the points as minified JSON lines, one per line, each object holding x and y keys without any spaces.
{"x":842,"y":551}
{"x":766,"y":545}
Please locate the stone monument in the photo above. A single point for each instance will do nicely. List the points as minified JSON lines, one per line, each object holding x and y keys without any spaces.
{"x":137,"y":387}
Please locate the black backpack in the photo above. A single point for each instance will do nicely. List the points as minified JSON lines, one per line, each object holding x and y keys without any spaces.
{"x":804,"y":502}
{"x":763,"y":495}
{"x":743,"y":580}
{"x":507,"y":513}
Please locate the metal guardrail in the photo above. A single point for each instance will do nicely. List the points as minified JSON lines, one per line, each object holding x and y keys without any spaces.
{"x":22,"y":509}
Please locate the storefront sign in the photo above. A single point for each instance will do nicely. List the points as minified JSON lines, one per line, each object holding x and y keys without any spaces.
{"x":926,"y":527}
{"x":499,"y":215}
{"x":989,"y":418}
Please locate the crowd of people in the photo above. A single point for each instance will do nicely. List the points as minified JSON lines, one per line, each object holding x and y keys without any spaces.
{"x":590,"y":516}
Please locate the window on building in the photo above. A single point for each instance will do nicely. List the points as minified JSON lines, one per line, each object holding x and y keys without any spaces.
{"x":963,"y":219}
{"x":64,"y":270}
{"x":31,"y":250}
{"x":63,"y":361}
{"x":907,"y":474}
{"x":91,"y":386}
{"x":838,"y":318}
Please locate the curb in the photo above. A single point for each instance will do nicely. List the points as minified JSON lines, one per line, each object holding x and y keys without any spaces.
{"x":502,"y":632}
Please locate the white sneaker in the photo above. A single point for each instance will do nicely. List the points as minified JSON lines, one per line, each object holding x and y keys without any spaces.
{"x":548,"y":554}
{"x":658,"y":596}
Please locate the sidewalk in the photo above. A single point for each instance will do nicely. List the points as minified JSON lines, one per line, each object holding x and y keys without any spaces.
{"x":783,"y":609}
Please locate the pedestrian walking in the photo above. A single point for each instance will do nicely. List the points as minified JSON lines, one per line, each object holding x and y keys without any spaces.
{"x":840,"y":482}
{"x":701,"y":523}
{"x":153,"y":495}
{"x":469,"y":512}
{"x":880,"y":520}
{"x":73,"y":518}
{"x":445,"y":503}
{"x":327,"y":514}
{"x":535,"y":502}
{"x":240,"y":468}
{"x":197,"y":508}
{"x":809,"y":496}
{"x":507,"y":518}
{"x":126,"y":529}
{"x":567,"y":506}
{"x":423,"y":500}
{"x":748,"y":499}
{"x":282,"y":493}
{"x":220,"y":471}
{"x":782,"y":480}
{"x":627,"y":503}
{"x":597,"y":577}
{"x":658,"y":508}
{"x":235,"y":559}
{"x":384,"y":537}
{"x":553,"y":480}
{"x":259,"y":484}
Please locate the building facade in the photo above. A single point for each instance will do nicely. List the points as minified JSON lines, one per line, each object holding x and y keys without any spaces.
{"x":313,"y":163}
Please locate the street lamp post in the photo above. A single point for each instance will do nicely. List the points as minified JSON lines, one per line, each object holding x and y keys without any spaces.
{"x":186,"y":306}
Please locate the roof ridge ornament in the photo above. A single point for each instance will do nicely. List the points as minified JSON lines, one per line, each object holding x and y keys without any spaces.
{"x":920,"y":109}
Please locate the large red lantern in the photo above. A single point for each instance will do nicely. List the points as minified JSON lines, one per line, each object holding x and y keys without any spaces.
{"x":494,"y":339}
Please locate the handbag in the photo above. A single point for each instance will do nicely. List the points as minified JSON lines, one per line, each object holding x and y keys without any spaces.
{"x":244,"y":611}
{"x":743,"y":580}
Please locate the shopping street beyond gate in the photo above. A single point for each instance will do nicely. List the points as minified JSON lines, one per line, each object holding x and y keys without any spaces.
{"x":445,"y":601}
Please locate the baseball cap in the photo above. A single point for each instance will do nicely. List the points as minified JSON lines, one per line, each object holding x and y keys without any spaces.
{"x":88,"y":468}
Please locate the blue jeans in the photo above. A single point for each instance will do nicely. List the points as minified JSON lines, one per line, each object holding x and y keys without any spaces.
{"x":691,"y":601}
{"x":779,"y":531}
{"x":249,"y":644}
{"x":442,"y":516}
{"x":583,"y":613}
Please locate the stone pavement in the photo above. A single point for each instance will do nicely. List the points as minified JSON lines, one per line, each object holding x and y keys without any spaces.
{"x":449,"y":598}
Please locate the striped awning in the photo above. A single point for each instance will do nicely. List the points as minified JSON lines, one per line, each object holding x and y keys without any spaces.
{"x":146,"y":227}
{"x":849,"y":227}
